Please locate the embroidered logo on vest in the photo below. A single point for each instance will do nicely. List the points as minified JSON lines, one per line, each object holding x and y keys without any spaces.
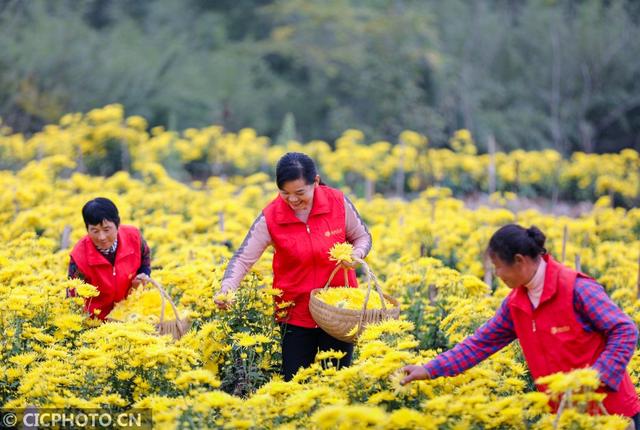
{"x":563,"y":329}
{"x":332,"y":232}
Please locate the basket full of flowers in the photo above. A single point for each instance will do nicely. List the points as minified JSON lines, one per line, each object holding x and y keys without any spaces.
{"x":343,"y":312}
{"x":143,"y":304}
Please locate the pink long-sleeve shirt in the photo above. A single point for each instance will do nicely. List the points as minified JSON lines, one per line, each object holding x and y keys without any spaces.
{"x":258,"y":238}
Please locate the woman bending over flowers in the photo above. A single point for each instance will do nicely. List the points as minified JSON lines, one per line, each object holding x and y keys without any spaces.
{"x":111,"y":257}
{"x":563,"y":320}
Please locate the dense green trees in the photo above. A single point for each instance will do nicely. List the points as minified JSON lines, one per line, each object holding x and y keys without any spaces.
{"x":532,"y":73}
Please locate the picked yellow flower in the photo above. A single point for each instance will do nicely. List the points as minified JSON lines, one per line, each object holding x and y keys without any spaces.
{"x":341,"y":252}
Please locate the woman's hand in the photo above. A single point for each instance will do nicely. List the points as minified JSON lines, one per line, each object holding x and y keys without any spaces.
{"x":355,"y":262}
{"x":224,"y":299}
{"x":413,"y":373}
{"x":142,"y":278}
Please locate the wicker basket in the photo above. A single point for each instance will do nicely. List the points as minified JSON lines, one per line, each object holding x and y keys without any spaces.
{"x":340,"y":322}
{"x":176,"y":327}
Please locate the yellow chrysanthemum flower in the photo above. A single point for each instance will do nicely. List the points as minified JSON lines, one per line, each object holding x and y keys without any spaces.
{"x":341,"y":252}
{"x":351,"y":298}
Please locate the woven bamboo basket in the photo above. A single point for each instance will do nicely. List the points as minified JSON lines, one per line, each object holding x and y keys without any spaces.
{"x":175,"y":327}
{"x":340,"y":322}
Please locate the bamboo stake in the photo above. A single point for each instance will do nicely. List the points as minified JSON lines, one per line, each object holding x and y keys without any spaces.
{"x":400,"y":173}
{"x":488,"y":274}
{"x":578,"y":265}
{"x":369,"y":189}
{"x":491,"y":143}
{"x":565,"y":234}
{"x":66,"y":236}
{"x":433,"y":293}
{"x":221,"y":220}
{"x":433,"y":209}
{"x":638,"y":283}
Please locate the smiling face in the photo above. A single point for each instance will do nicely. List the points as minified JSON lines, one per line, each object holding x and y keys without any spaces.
{"x":516,"y":274}
{"x":298,"y":194}
{"x":103,"y":235}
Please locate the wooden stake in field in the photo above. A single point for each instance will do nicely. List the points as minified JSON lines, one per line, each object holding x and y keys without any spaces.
{"x":400,"y":173}
{"x":578,"y":265}
{"x":491,"y":143}
{"x":488,"y":274}
{"x":369,"y":189}
{"x":432,"y":292}
{"x":66,"y":235}
{"x":221,"y":220}
{"x":565,"y":233}
{"x":639,"y":275}
{"x":433,"y":209}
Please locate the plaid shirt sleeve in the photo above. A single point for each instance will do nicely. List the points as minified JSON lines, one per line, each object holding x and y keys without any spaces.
{"x":73,"y":273}
{"x":494,"y":335}
{"x":596,"y":312}
{"x":145,"y":261}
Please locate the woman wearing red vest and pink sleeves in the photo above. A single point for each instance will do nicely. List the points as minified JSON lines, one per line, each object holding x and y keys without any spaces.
{"x":563,"y":320}
{"x":302,"y":223}
{"x":112,"y":257}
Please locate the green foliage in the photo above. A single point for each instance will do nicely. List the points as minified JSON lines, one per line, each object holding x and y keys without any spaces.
{"x":533,"y":73}
{"x":245,"y":368}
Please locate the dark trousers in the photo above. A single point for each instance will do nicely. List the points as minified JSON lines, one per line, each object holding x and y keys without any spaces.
{"x":636,"y":421}
{"x":300,"y":346}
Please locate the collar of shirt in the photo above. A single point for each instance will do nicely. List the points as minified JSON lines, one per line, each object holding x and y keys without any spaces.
{"x":303,"y":215}
{"x":109,"y":250}
{"x":536,"y":284}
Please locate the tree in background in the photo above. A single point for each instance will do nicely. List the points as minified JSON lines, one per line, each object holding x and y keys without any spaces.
{"x":532,"y":73}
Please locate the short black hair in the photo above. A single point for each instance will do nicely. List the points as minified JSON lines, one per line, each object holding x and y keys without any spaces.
{"x":100,"y":209}
{"x":293,"y":166}
{"x":513,"y":239}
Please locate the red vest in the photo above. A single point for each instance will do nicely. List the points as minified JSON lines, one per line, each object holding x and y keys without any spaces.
{"x":301,"y":259}
{"x":553,"y":339}
{"x":113,"y":281}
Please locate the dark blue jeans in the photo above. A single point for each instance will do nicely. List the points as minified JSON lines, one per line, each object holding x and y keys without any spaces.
{"x":300,"y":346}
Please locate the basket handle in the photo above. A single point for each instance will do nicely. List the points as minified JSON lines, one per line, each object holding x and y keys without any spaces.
{"x":371,"y":279}
{"x":165,"y":297}
{"x":333,"y":274}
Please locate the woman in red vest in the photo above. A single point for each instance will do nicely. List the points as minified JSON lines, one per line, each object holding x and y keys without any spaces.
{"x":302,"y":224}
{"x":112,"y":257}
{"x":563,"y":320}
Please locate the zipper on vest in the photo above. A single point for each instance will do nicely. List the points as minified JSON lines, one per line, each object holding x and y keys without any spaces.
{"x":114,"y":270}
{"x":534,"y":325}
{"x":312,"y":256}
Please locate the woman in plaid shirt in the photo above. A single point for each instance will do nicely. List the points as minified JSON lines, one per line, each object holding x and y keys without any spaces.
{"x":563,"y":320}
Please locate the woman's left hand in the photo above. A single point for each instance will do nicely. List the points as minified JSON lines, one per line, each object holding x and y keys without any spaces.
{"x":354,"y":263}
{"x":142,"y":278}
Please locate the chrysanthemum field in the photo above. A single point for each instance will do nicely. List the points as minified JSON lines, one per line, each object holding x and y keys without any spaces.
{"x":427,"y":253}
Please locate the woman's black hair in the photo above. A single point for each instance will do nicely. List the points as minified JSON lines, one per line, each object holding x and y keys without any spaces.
{"x":100,"y":209}
{"x":514,"y":239}
{"x":293,"y":166}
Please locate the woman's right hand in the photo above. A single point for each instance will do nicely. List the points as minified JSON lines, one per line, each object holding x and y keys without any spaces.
{"x":412,"y":373}
{"x":224,"y":299}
